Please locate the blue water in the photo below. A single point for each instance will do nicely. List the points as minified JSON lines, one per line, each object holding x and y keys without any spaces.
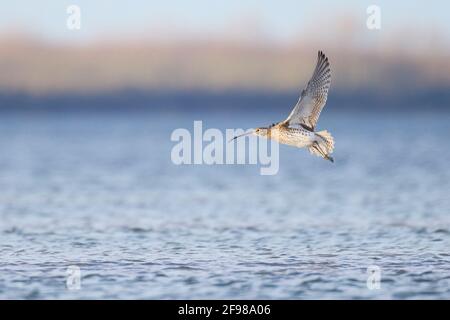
{"x":99,"y":191}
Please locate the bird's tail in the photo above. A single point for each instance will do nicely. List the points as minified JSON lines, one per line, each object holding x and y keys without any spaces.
{"x":323,"y":146}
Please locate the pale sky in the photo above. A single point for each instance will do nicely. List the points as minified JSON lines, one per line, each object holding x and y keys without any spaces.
{"x":278,"y":19}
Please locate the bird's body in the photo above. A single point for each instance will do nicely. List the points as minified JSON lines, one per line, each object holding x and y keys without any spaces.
{"x":296,"y":137}
{"x":298,"y":129}
{"x":320,"y":143}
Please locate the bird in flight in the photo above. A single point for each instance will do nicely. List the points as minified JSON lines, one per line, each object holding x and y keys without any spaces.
{"x":298,"y":129}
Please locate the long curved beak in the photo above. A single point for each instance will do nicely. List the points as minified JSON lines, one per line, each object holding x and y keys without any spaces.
{"x":241,"y":135}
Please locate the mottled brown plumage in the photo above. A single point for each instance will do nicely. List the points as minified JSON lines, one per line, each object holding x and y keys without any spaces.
{"x":298,"y":129}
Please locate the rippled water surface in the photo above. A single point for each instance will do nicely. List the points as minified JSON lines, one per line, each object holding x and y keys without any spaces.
{"x":99,"y":191}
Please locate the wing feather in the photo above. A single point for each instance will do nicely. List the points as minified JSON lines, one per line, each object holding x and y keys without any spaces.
{"x":313,"y":98}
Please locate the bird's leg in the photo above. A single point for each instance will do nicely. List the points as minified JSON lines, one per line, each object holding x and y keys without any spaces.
{"x":318,"y":148}
{"x":324,"y":155}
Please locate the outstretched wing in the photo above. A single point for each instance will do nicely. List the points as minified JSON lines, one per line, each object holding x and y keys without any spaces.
{"x":313,"y":98}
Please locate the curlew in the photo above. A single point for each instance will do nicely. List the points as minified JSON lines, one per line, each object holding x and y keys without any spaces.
{"x":298,"y":129}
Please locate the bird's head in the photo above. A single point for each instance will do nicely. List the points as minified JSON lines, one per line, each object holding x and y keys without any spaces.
{"x":264,"y":131}
{"x":261,"y":131}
